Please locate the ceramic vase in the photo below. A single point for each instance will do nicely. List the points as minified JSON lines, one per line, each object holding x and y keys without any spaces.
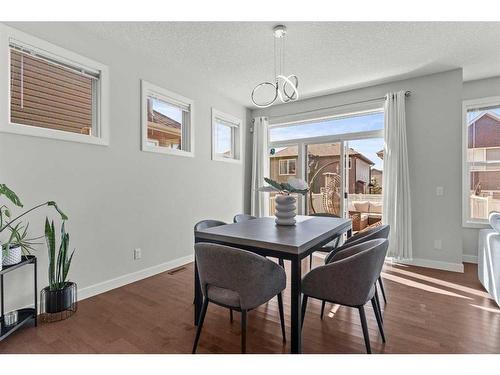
{"x":285,"y":209}
{"x":12,"y":256}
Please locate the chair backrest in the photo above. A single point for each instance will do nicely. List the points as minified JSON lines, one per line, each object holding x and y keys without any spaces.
{"x":349,"y":279}
{"x":252,"y":276}
{"x":381,"y":231}
{"x":204,"y":224}
{"x":243,"y":217}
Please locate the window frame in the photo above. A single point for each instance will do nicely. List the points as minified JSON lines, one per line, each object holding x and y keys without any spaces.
{"x":467,"y":221}
{"x":236,"y":136}
{"x":8,"y":35}
{"x":287,"y":167}
{"x":148,"y":89}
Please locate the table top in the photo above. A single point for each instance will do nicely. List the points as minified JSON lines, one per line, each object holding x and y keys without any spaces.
{"x":308,"y":232}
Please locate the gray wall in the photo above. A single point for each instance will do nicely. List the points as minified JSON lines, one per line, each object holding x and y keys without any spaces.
{"x":117,"y":197}
{"x":434,"y":147}
{"x":474,"y":90}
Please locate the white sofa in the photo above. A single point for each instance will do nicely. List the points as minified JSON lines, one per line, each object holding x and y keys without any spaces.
{"x":489,"y":261}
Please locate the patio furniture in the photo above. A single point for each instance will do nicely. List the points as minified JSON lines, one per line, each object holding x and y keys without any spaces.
{"x":349,"y":280}
{"x":238,"y":280}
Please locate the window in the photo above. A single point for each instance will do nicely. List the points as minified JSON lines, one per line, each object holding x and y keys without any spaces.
{"x":287,"y":167}
{"x":481,"y":182}
{"x":226,"y":137}
{"x":53,"y":92}
{"x":166,"y":121}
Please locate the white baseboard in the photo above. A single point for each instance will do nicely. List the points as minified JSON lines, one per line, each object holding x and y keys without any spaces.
{"x":466,"y":258}
{"x":454,"y":267}
{"x":117,"y":282}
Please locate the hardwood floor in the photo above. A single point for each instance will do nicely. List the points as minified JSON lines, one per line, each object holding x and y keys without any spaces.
{"x":428,"y":311}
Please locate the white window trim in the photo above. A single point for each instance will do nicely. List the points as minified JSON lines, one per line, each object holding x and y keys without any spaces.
{"x":237,"y":144}
{"x":148,"y":88}
{"x":467,"y":222}
{"x":63,"y":55}
{"x":287,"y":167}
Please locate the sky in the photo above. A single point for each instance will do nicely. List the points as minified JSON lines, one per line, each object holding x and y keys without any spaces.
{"x":368,"y":147}
{"x":175,"y":113}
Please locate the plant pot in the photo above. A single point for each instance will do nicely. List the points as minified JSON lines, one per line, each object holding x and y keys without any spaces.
{"x":59,"y":300}
{"x":285,"y":210}
{"x":12,"y":255}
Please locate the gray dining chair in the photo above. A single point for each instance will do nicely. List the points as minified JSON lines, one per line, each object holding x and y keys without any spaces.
{"x":330,"y":246}
{"x":349,"y":280}
{"x":239,"y":218}
{"x":381,"y":231}
{"x":238,"y":280}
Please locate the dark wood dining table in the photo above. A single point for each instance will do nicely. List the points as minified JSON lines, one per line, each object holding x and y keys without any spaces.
{"x":293,"y":243}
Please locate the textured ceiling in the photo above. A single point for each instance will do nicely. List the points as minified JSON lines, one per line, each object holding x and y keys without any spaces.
{"x":232,"y":57}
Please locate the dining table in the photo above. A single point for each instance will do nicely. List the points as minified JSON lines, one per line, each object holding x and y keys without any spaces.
{"x":289,"y":242}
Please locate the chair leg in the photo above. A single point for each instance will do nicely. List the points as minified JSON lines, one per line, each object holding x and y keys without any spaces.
{"x":200,"y":324}
{"x":304,"y":308}
{"x":381,"y":283}
{"x":323,"y":303}
{"x":362,"y":316}
{"x":231,"y":318}
{"x":378,"y":304}
{"x":282,"y":316}
{"x":379,"y":320}
{"x":281,"y":262}
{"x":310,"y":262}
{"x":243,"y":331}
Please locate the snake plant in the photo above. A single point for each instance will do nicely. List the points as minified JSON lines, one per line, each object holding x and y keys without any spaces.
{"x":59,"y":262}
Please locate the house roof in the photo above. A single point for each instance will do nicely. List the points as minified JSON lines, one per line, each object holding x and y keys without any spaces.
{"x":482,"y":114}
{"x":321,"y":150}
{"x":163,"y":122}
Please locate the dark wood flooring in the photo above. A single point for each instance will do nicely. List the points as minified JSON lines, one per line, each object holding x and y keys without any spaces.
{"x":428,"y":311}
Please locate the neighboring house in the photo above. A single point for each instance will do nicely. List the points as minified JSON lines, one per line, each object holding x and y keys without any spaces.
{"x":162,"y":130}
{"x":377,"y":175}
{"x":323,"y":157}
{"x":484,"y":138}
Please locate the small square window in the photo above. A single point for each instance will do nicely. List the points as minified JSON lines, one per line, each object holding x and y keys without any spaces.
{"x":166,"y":121}
{"x":226,"y":137}
{"x":53,"y":92}
{"x":288,"y":167}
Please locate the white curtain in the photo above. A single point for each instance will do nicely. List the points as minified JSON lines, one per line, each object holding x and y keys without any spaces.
{"x":260,"y":166}
{"x":396,"y":180}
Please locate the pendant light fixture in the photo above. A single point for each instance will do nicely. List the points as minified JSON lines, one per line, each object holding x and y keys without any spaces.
{"x":283,"y":87}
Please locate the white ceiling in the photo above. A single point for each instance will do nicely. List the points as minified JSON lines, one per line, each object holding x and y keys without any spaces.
{"x":232,"y":57}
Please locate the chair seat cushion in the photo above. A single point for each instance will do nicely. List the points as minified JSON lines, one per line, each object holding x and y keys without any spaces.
{"x":223,"y":296}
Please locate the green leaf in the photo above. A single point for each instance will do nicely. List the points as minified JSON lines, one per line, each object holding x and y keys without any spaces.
{"x":274,"y":184}
{"x":53,"y":204}
{"x":4,"y":190}
{"x":51,"y":247}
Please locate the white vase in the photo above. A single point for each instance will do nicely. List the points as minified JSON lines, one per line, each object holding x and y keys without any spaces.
{"x":285,"y":209}
{"x":12,"y":256}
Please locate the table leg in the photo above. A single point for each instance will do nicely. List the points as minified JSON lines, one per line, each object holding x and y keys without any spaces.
{"x":197,"y":295}
{"x":295,"y":306}
{"x":1,"y":297}
{"x":36,"y":291}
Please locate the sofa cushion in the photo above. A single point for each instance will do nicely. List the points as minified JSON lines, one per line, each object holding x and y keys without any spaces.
{"x":361,"y":206}
{"x":375,"y":208}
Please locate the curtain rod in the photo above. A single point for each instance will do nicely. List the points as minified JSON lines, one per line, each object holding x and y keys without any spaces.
{"x":407,"y":94}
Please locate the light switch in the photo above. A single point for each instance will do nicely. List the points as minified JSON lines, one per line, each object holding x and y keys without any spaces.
{"x":439,"y":191}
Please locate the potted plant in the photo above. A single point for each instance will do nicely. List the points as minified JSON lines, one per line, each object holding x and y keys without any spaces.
{"x":18,"y":242}
{"x":61,"y":293}
{"x":285,"y":202}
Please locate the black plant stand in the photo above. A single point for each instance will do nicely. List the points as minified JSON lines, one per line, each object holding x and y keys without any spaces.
{"x":24,"y":315}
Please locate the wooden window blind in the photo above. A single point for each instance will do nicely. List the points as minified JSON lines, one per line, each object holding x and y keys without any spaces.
{"x":49,"y":94}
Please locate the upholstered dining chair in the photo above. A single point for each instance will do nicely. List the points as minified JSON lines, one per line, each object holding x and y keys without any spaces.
{"x":330,"y":246}
{"x":349,"y":280}
{"x":239,"y":218}
{"x":238,"y":280}
{"x":381,"y":231}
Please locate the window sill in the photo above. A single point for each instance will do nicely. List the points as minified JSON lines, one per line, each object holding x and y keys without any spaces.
{"x":476,"y":224}
{"x":168,"y":151}
{"x":227,"y":160}
{"x":33,"y":131}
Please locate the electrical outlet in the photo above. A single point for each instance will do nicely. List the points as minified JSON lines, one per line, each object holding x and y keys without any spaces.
{"x":137,"y":254}
{"x":439,"y":191}
{"x":438,"y":245}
